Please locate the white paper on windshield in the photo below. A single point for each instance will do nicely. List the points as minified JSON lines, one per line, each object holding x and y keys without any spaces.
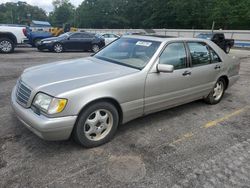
{"x":143,"y":43}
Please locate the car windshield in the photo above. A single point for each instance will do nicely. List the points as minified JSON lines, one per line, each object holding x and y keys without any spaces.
{"x":98,"y":35}
{"x":64,"y":35}
{"x":205,"y":36}
{"x":129,"y":52}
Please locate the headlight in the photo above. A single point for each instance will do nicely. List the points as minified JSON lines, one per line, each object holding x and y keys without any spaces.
{"x":46,"y":41}
{"x":48,"y":104}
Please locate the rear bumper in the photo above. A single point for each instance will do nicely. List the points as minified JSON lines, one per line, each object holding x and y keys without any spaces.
{"x":233,"y":79}
{"x":44,"y":127}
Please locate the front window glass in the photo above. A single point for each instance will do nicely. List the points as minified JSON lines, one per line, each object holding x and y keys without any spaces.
{"x":174,"y":54}
{"x":75,"y":36}
{"x":130,"y":52}
{"x":64,"y":35}
{"x":86,"y":35}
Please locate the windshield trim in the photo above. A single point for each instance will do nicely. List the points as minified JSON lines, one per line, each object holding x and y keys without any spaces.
{"x":116,"y":62}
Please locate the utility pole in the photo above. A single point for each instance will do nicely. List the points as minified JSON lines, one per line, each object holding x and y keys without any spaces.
{"x":12,"y":20}
{"x":213,"y":26}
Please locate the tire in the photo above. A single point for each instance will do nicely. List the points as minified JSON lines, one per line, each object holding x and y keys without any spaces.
{"x":95,"y":48}
{"x":36,"y":41}
{"x":39,"y":49}
{"x":6,"y":45}
{"x":58,"y":48}
{"x":96,"y":125}
{"x":216,"y":95}
{"x":227,"y":49}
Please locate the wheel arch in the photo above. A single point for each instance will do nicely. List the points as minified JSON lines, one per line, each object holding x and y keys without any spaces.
{"x":9,"y":36}
{"x":225,"y":78}
{"x":105,"y":99}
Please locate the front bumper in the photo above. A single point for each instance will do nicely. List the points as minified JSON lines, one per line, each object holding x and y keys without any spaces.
{"x":233,"y":80}
{"x":46,"y":46}
{"x":44,"y":127}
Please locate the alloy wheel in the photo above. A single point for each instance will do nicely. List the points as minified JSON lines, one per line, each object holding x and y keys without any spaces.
{"x":218,"y":90}
{"x":58,"y":48}
{"x":98,"y":124}
{"x":5,"y":46}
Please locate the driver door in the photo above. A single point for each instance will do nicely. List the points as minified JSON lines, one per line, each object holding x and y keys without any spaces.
{"x":164,"y":90}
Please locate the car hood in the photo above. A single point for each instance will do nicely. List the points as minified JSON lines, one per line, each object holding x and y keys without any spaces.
{"x":56,"y":78}
{"x":51,"y":39}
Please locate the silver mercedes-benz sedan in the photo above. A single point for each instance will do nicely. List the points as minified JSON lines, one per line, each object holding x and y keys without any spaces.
{"x":133,"y":76}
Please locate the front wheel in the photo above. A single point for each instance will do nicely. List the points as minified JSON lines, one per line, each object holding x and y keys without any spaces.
{"x":6,"y":45}
{"x":96,"y":125}
{"x":58,"y":48}
{"x":217,"y":93}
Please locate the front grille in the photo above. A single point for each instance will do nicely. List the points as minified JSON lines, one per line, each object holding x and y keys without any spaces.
{"x":22,"y":93}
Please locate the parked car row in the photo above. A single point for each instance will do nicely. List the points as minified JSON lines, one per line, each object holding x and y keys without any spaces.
{"x":12,"y":35}
{"x":72,"y":41}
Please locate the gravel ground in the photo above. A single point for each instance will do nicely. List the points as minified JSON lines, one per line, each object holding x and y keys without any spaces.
{"x":193,"y":145}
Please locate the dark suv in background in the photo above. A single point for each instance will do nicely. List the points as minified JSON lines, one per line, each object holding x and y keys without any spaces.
{"x":72,"y":41}
{"x":219,"y":39}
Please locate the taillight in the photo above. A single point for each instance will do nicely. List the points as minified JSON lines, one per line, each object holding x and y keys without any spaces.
{"x":25,"y":32}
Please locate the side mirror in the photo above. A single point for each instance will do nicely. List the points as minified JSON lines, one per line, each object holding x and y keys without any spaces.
{"x":165,"y":68}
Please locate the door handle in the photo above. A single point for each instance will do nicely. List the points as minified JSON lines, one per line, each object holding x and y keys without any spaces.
{"x":217,"y":67}
{"x":186,"y":73}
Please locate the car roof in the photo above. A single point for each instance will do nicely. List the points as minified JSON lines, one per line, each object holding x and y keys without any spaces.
{"x":80,"y":32}
{"x":107,"y":33}
{"x":163,"y":39}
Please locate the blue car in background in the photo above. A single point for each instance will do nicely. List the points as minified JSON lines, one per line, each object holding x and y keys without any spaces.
{"x":34,"y":37}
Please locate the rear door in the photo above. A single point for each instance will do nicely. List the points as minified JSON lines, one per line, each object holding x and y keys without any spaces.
{"x":86,"y":41}
{"x":205,"y":68}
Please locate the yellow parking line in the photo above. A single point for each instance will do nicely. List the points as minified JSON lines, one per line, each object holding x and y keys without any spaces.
{"x":183,"y":137}
{"x":210,"y":124}
{"x":226,"y":117}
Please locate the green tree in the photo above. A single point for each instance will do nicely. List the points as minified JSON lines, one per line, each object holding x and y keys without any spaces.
{"x":20,"y":13}
{"x":63,"y":13}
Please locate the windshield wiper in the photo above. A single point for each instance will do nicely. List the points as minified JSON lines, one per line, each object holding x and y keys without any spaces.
{"x":116,"y":62}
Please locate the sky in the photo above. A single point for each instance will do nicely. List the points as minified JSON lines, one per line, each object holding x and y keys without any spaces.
{"x":44,"y":4}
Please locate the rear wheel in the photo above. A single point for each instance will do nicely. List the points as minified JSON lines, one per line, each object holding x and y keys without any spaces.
{"x":95,"y":48}
{"x":217,"y":93}
{"x":6,"y":45}
{"x":96,"y":125}
{"x":227,"y":49}
{"x":58,"y":48}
